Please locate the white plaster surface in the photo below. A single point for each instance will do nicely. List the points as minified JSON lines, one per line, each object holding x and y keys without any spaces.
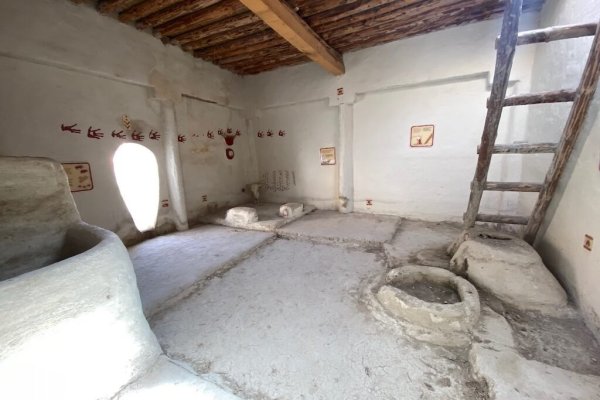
{"x":388,"y":89}
{"x":65,"y":63}
{"x":289,"y":166}
{"x":37,"y":209}
{"x":512,"y":377}
{"x":290,"y":210}
{"x":169,"y":380}
{"x":74,"y":329}
{"x":241,"y":215}
{"x":168,"y":265}
{"x":269,"y":218}
{"x":336,"y":227}
{"x":289,"y":323}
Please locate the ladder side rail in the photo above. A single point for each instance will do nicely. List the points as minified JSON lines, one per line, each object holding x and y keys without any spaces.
{"x":585,"y":94}
{"x":504,"y":60}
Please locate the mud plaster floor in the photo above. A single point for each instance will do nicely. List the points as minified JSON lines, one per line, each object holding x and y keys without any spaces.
{"x":167,"y":265}
{"x":334,"y":227}
{"x":289,"y":323}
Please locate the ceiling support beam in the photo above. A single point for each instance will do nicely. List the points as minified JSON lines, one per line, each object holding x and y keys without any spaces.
{"x":283,"y":20}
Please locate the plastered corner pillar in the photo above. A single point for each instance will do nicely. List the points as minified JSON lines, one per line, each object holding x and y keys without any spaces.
{"x":345,"y":154}
{"x":173,"y":161}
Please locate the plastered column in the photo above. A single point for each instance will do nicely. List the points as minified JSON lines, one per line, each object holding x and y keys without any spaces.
{"x":173,"y":163}
{"x":345,"y":158}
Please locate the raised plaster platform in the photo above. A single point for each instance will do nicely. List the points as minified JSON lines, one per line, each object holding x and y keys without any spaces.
{"x":269,"y":218}
{"x":510,"y":269}
{"x":511,"y":376}
{"x":168,"y":265}
{"x":332,"y":226}
{"x":415,"y":239}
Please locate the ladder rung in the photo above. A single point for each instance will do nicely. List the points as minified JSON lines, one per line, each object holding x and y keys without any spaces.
{"x":523,"y":148}
{"x":558,"y":96}
{"x":513,"y":186}
{"x":556,"y":33}
{"x":502,"y":219}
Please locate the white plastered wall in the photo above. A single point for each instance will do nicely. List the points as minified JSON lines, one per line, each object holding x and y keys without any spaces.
{"x":65,"y":63}
{"x":574,"y":210}
{"x":440,"y":78}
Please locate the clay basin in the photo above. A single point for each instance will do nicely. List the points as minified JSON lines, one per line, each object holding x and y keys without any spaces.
{"x":430,"y":298}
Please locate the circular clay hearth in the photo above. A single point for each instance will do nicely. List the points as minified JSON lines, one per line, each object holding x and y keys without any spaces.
{"x":430,"y":298}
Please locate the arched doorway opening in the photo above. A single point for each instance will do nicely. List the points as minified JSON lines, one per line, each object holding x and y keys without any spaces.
{"x":136,"y":172}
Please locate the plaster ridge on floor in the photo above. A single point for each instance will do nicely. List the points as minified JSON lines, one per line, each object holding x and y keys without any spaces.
{"x":222,"y":269}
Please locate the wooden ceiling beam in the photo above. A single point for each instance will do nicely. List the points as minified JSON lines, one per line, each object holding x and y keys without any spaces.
{"x":391,"y":31}
{"x":111,"y":6}
{"x":248,"y":49}
{"x":283,"y":20}
{"x":205,"y":16}
{"x":271,"y":52}
{"x":222,"y":26}
{"x":219,"y":39}
{"x":175,"y":11}
{"x":144,"y":9}
{"x":272,"y":64}
{"x":236,"y":45}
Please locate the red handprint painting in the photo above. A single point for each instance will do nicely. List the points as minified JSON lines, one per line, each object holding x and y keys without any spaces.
{"x":137,"y":136}
{"x":94,"y":133}
{"x":118,"y":135}
{"x":154,"y":135}
{"x":69,"y":128}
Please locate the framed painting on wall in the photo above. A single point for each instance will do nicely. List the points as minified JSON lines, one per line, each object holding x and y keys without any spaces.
{"x":327,"y":156}
{"x":421,"y":136}
{"x":79,"y":175}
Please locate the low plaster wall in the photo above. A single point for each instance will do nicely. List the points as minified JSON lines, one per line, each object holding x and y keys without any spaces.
{"x":74,"y":329}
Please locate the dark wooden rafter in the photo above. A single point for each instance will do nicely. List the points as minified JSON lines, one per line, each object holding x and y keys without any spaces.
{"x":585,"y":94}
{"x":422,"y":25}
{"x":111,"y":6}
{"x":181,"y":9}
{"x":205,"y":16}
{"x":504,"y":60}
{"x":216,"y":28}
{"x":259,"y":41}
{"x":144,"y":9}
{"x":221,"y":39}
{"x":221,"y":31}
{"x":425,"y":22}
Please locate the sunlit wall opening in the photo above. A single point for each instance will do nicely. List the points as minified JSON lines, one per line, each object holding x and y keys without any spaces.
{"x":136,"y":171}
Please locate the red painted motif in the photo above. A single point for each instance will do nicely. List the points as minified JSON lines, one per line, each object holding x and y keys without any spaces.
{"x":153,"y":135}
{"x":69,"y":128}
{"x":95,"y":133}
{"x":137,"y":136}
{"x":118,"y":135}
{"x":181,"y":138}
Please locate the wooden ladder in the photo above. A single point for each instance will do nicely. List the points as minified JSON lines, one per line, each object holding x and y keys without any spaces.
{"x":581,"y":98}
